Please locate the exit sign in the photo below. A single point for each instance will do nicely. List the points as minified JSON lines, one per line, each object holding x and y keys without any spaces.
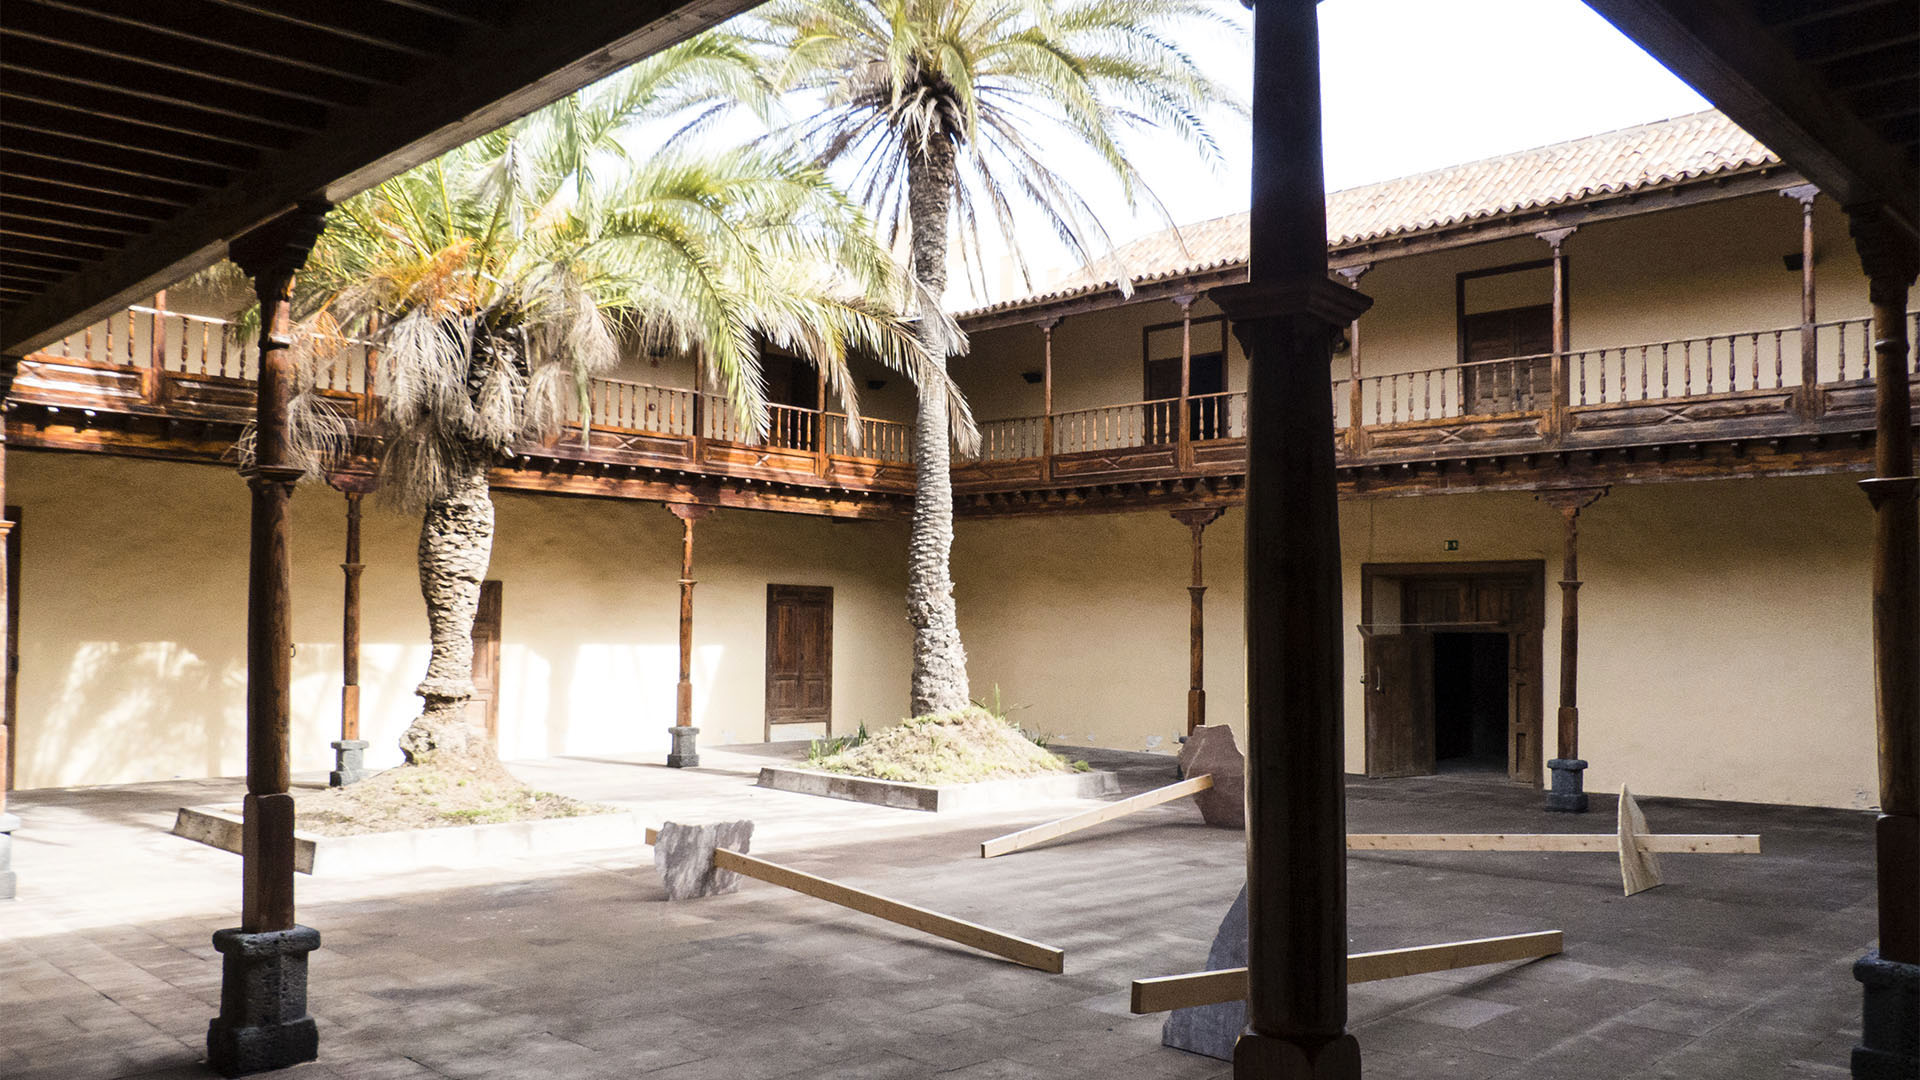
{"x":1452,"y":545}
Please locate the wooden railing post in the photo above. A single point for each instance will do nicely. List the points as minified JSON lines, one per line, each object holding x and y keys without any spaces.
{"x":1811,"y":400}
{"x":259,"y":1029}
{"x":1285,"y":316}
{"x":684,"y":752}
{"x":1183,"y":420}
{"x":1555,"y":424}
{"x":698,"y":447}
{"x":1046,"y":398}
{"x":1356,"y":430}
{"x":150,"y":384}
{"x":820,"y":421}
{"x":1891,"y":975}
{"x":350,"y":749}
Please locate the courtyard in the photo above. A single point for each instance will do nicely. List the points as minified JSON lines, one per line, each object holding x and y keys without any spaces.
{"x":577,"y":966}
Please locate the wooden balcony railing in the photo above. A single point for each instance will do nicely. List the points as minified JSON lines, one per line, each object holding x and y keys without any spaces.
{"x":157,"y":363}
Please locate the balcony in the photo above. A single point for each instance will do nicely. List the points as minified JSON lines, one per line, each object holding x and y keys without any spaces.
{"x":1788,"y":400}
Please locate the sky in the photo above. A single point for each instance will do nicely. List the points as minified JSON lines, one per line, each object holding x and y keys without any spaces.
{"x":1406,"y":86}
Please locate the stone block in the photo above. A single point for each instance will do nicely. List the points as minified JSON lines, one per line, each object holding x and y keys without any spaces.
{"x":1890,"y":1019}
{"x":684,"y":856}
{"x":684,"y":753}
{"x":1213,"y":1029}
{"x":263,"y":1022}
{"x":9,"y":881}
{"x":1211,"y":749}
{"x":1568,"y":794}
{"x":350,"y":762}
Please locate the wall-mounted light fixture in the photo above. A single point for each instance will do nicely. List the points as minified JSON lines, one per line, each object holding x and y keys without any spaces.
{"x":1031,"y":376}
{"x":875,"y":384}
{"x":1793,"y":260}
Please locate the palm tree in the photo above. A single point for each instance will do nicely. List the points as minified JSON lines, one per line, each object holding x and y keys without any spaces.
{"x":946,"y":110}
{"x":506,"y":273}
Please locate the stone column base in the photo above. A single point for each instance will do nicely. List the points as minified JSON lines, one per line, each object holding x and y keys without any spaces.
{"x":8,"y":880}
{"x":1567,"y":795}
{"x":350,"y":762}
{"x":1263,"y":1057}
{"x":1890,"y":1019}
{"x":263,"y":1022}
{"x":684,"y":754}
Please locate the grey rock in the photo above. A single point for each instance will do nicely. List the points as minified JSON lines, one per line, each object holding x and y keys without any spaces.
{"x":1211,"y":749}
{"x":263,"y":1022}
{"x":1213,"y":1029}
{"x":684,"y":856}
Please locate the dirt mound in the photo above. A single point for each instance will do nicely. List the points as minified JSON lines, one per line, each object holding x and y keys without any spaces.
{"x":423,"y":797}
{"x":947,"y":748}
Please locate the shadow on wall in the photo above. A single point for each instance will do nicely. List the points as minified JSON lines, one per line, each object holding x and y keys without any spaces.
{"x":137,"y":709}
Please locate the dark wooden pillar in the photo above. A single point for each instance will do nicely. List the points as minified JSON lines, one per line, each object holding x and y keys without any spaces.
{"x":684,"y":753}
{"x":157,"y":349}
{"x":8,"y":822}
{"x":1356,"y":431}
{"x":263,"y":1022}
{"x":1046,"y":396}
{"x":1562,"y":378}
{"x":1197,"y":520}
{"x":820,"y":420}
{"x":1809,"y":400}
{"x":349,"y":749}
{"x":1891,"y":260}
{"x":1568,"y":793}
{"x":1285,"y":316}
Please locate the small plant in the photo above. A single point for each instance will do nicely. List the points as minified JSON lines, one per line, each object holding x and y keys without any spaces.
{"x":1082,"y":766}
{"x":827,"y":746}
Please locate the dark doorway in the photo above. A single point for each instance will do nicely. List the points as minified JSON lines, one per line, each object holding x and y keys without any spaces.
{"x":1470,"y":686}
{"x":799,"y":656}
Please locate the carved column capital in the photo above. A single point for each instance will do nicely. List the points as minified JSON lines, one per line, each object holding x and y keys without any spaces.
{"x":1889,"y":254}
{"x":1804,"y":194}
{"x":273,"y":253}
{"x":1571,"y":500}
{"x":1353,"y":274}
{"x":689,"y":511}
{"x":1046,"y":325}
{"x":1556,"y":237}
{"x":1197,"y":517}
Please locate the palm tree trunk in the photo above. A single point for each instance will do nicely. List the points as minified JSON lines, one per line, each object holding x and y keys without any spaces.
{"x":939,"y":660}
{"x":456,"y":542}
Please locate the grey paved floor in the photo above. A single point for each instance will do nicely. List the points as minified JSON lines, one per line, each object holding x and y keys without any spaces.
{"x":577,"y":967}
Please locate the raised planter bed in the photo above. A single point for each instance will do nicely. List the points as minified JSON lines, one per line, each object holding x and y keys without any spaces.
{"x":985,"y":795}
{"x":455,"y":846}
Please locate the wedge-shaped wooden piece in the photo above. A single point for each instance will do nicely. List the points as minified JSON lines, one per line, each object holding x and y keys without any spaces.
{"x":1170,"y":992}
{"x":1639,"y":866}
{"x":1053,"y":830}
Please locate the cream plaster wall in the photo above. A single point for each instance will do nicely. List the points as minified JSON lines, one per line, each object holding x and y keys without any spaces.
{"x":133,"y":608}
{"x":1712,"y":269}
{"x":1725,"y":643}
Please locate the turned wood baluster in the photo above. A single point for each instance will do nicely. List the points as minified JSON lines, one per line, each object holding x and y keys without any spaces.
{"x":129,"y":337}
{"x":1733,"y":364}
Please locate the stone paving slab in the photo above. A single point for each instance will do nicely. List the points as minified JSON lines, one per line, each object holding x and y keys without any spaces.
{"x":575,"y":966}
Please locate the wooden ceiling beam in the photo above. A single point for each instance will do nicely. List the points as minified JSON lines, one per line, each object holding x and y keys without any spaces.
{"x":18,"y":165}
{"x":394,"y":27}
{"x":534,"y":55}
{"x":195,"y":126}
{"x":56,"y":249}
{"x":1721,"y":49}
{"x":127,"y":45}
{"x":1784,"y":13}
{"x":33,"y":128}
{"x":204,"y":22}
{"x":164,"y":91}
{"x":461,"y":11}
{"x":30,"y":198}
{"x":32,"y":132}
{"x":9,"y":257}
{"x":14,"y":223}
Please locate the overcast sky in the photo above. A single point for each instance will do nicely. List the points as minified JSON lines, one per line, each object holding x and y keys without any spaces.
{"x":1413,"y":85}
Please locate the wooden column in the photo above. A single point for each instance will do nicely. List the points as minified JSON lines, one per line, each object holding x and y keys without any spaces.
{"x":271,"y":255}
{"x":1356,"y":431}
{"x":683,"y":754}
{"x":1567,"y":793}
{"x":1197,"y":520}
{"x":1183,"y":426}
{"x":1046,"y":396}
{"x":1810,"y":400}
{"x":698,"y":445}
{"x":1891,"y":259}
{"x":350,"y":625}
{"x":1285,"y":316}
{"x":1562,"y":385}
{"x":9,"y":365}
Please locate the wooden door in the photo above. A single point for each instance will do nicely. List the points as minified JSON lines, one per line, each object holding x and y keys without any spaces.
{"x":799,"y":655}
{"x":1399,"y":689}
{"x":484,"y":706}
{"x":12,"y":700}
{"x":1513,"y":602}
{"x":1501,"y":335}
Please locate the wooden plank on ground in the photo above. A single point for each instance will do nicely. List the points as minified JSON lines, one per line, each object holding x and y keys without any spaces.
{"x":1688,"y":843}
{"x":1040,"y":834}
{"x":1170,"y":992}
{"x":1019,"y":950}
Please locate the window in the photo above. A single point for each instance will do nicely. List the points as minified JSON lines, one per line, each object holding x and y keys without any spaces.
{"x":1207,"y":380}
{"x":1505,"y":317}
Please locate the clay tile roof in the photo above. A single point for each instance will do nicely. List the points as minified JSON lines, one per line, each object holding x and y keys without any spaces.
{"x":1664,"y":152}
